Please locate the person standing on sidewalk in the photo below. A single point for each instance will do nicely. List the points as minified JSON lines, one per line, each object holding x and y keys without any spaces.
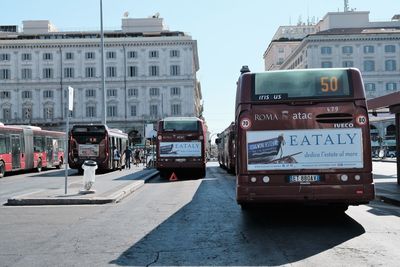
{"x":117,"y":158}
{"x":128,"y":157}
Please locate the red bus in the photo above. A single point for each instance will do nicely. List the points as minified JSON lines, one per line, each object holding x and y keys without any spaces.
{"x":24,"y":147}
{"x":303,"y":136}
{"x":227,"y":149}
{"x":181,"y":145}
{"x":94,"y":142}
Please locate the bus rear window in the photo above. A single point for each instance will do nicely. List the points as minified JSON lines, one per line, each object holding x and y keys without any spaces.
{"x":308,"y":84}
{"x":181,"y":126}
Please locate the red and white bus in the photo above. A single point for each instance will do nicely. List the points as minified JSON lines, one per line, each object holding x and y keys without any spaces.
{"x":227,"y":149}
{"x":303,"y":136}
{"x":181,"y":145}
{"x":24,"y":147}
{"x":94,"y":142}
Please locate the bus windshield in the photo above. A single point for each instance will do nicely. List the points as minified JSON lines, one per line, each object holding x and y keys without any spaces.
{"x":313,"y":84}
{"x":181,"y":126}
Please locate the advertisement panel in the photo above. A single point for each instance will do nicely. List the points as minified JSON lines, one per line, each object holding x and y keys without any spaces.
{"x":304,"y":149}
{"x":180,"y":149}
{"x":88,"y":150}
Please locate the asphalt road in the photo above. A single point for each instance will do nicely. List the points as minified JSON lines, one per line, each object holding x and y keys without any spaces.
{"x":196,"y":222}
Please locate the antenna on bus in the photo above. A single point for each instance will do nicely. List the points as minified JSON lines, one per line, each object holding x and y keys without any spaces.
{"x":244,"y":69}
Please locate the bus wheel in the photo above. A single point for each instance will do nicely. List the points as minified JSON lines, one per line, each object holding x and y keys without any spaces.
{"x":39,"y":166}
{"x":2,"y":169}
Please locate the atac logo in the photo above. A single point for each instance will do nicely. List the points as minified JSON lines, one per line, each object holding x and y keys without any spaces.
{"x":285,"y":115}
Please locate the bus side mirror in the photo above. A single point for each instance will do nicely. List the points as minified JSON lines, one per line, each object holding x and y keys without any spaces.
{"x":218,"y":141}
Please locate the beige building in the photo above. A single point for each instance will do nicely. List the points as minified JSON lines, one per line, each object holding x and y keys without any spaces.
{"x":150,"y":73}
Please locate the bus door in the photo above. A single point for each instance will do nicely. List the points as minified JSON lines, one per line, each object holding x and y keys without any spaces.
{"x":55,"y":150}
{"x":49,"y":151}
{"x":16,"y":151}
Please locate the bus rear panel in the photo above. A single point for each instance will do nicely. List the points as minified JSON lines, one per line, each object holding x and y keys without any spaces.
{"x":181,"y":146}
{"x":303,"y":137}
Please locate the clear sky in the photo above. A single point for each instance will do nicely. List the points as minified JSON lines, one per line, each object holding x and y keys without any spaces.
{"x":229,"y":33}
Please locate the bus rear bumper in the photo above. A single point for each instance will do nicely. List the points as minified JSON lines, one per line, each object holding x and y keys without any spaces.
{"x":313,"y":194}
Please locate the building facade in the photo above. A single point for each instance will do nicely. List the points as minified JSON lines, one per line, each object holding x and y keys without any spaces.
{"x":150,"y":73}
{"x":349,"y":39}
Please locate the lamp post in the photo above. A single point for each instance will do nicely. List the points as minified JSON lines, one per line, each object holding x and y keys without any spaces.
{"x":103,"y":81}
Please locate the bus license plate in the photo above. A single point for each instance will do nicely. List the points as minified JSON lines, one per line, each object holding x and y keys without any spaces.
{"x":304,"y":178}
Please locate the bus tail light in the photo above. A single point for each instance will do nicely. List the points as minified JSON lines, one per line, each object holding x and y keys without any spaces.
{"x":253,"y":179}
{"x":201,"y":137}
{"x":360,"y":192}
{"x":344,"y":177}
{"x":357,"y":177}
{"x":159,"y":137}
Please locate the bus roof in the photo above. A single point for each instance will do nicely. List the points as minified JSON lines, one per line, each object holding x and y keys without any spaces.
{"x":181,"y":119}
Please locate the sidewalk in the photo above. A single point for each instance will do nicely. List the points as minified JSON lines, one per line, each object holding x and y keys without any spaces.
{"x":108,"y":188}
{"x":387,"y":190}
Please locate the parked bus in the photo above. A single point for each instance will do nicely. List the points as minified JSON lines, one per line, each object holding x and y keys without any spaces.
{"x":226,"y":149}
{"x":94,"y":142}
{"x":303,"y":136}
{"x":181,"y":145}
{"x":24,"y":147}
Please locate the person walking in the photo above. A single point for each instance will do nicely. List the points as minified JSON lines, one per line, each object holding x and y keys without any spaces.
{"x":128,"y":156}
{"x":137,"y":157}
{"x":117,"y":158}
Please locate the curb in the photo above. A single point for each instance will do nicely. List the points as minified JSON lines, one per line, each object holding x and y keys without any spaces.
{"x":114,"y":198}
{"x":388,"y":199}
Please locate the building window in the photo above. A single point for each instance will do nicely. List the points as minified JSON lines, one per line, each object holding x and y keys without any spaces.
{"x":175,"y":91}
{"x":153,"y":110}
{"x":26,"y":57}
{"x":69,"y":56}
{"x":48,"y":94}
{"x":26,"y":113}
{"x":112,"y":111}
{"x":391,"y":86}
{"x":281,"y":50}
{"x":47,"y":56}
{"x":326,"y":64}
{"x":368,"y":49}
{"x":133,"y":92}
{"x":369,"y":65}
{"x":26,"y":74}
{"x":348,"y":64}
{"x":90,"y":93}
{"x":90,"y":111}
{"x":280,"y":61}
{"x":370,"y":87}
{"x":175,"y":70}
{"x":26,"y":94}
{"x":133,"y":111}
{"x":90,"y":72}
{"x":5,"y":95}
{"x":326,"y":50}
{"x":176,"y":109}
{"x":347,"y":50}
{"x":132,"y":71}
{"x":6,"y":114}
{"x":89,"y":55}
{"x":154,"y":71}
{"x":111,"y":71}
{"x":390,"y":48}
{"x":132,"y":54}
{"x":111,"y":55}
{"x":154,"y":91}
{"x":4,"y":57}
{"x":47,"y":73}
{"x":153,"y":54}
{"x":112,"y":92}
{"x":5,"y":74}
{"x":48,"y":113}
{"x":390,"y":65}
{"x":174,"y":53}
{"x":68,"y":72}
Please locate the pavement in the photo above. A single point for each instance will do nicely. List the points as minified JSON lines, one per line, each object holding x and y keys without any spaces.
{"x":114,"y":186}
{"x":386,"y":187}
{"x":108,"y":187}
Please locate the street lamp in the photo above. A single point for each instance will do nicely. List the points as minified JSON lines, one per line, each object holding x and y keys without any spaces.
{"x":103,"y":81}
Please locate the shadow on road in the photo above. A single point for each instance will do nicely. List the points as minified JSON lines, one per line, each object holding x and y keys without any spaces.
{"x":212,"y":230}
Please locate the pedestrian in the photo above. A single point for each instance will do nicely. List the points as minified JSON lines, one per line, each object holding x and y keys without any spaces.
{"x":137,"y":157}
{"x":128,"y":156}
{"x":117,"y":158}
